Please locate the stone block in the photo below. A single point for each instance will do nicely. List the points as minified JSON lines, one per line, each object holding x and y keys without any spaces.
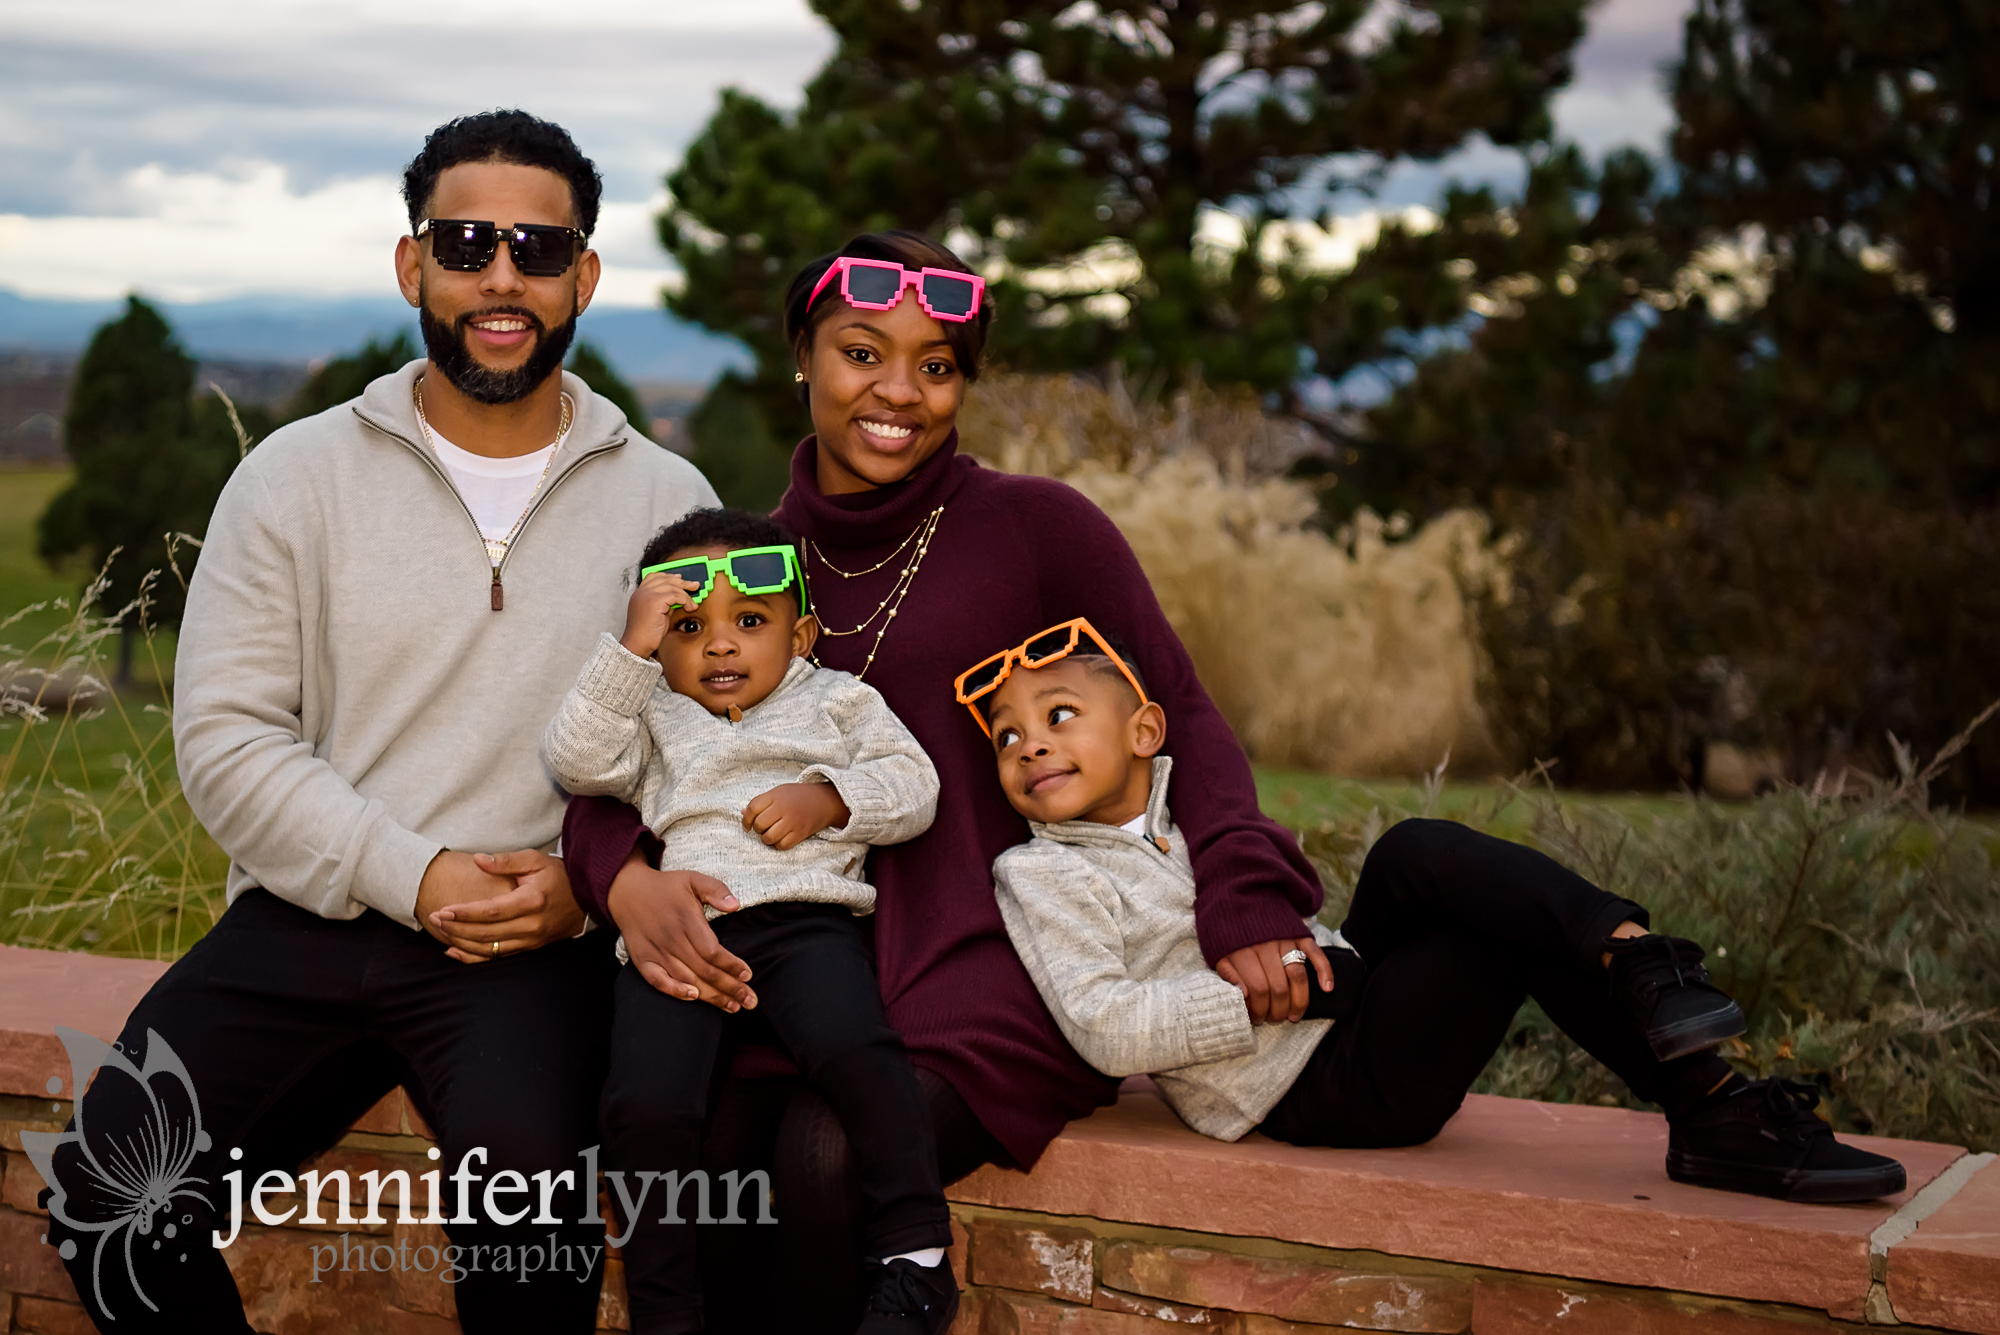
{"x":40,"y":989}
{"x":614,"y":1311}
{"x":45,"y":1316}
{"x":28,"y":1265}
{"x":1506,"y":1306}
{"x":1033,"y":1258}
{"x":1110,"y":1300}
{"x":959,"y":1253}
{"x":415,"y":1287}
{"x":30,"y":1115}
{"x":1294,"y":1290}
{"x":1510,"y":1184}
{"x":395,"y":1321}
{"x":1003,"y":1313}
{"x":274,"y":1272}
{"x":385,"y":1118}
{"x":1947,"y":1273}
{"x":21,"y":1185}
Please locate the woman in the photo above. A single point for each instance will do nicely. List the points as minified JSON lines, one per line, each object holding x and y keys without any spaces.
{"x":916,"y":558}
{"x":919,"y":563}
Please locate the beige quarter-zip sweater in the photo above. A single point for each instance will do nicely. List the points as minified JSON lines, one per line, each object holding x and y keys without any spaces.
{"x":1103,"y":918}
{"x":348,"y":702}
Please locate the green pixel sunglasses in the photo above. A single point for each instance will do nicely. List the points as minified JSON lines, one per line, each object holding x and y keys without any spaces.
{"x":753,"y":570}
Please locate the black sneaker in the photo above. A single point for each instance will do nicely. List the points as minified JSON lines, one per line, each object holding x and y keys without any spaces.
{"x":910,"y":1299}
{"x":1662,"y":985}
{"x":1764,"y":1138}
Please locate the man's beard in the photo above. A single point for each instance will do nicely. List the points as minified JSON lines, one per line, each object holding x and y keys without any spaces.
{"x":447,"y":347}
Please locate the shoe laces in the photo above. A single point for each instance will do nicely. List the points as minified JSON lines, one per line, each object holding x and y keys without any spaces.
{"x":902,"y":1290}
{"x":1790,"y":1104}
{"x":1683,"y":957}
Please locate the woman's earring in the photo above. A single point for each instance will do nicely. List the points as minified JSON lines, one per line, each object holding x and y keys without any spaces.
{"x":798,"y":377}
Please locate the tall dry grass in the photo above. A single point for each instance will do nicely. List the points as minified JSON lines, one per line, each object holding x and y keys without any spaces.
{"x":1354,"y":653}
{"x":98,"y":849}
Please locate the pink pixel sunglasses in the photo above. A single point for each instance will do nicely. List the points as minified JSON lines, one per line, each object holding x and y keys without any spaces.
{"x":877,"y":285}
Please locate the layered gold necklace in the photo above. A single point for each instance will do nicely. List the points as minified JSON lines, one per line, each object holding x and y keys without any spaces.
{"x":496,"y":548}
{"x":920,"y":538}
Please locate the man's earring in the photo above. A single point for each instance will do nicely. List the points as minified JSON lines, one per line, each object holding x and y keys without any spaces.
{"x":798,"y":377}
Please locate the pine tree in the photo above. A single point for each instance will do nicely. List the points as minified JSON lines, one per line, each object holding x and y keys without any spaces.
{"x":343,"y":378}
{"x":590,"y":366}
{"x":143,"y":470}
{"x":1075,"y":151}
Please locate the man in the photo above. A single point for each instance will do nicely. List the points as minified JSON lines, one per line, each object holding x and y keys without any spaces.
{"x":393,"y":599}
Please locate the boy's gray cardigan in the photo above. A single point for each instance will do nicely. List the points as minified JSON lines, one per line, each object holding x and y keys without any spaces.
{"x":1104,"y":921}
{"x":690,"y":773}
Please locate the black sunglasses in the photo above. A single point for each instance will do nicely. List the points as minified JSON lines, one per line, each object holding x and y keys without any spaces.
{"x":539,"y":250}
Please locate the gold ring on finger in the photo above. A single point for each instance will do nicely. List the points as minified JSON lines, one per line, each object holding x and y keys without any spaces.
{"x":495,"y":952}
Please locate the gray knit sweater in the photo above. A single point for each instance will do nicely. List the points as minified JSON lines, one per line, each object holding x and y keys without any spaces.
{"x":1104,"y":922}
{"x":690,"y":773}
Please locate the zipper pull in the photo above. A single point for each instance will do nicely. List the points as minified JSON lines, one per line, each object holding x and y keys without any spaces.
{"x":499,"y":594}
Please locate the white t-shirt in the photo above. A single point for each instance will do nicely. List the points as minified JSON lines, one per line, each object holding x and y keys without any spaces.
{"x":1137,"y":825}
{"x":495,"y":490}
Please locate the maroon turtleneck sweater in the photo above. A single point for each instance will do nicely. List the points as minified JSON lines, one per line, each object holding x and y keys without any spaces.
{"x":1011,"y":556}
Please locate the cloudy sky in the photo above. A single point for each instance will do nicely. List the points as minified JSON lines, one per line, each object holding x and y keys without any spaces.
{"x":199,"y":149}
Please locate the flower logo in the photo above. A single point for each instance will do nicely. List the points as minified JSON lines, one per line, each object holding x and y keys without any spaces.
{"x":122,"y":1189}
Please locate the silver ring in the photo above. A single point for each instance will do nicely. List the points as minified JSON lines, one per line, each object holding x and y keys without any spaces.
{"x":1292,"y":957}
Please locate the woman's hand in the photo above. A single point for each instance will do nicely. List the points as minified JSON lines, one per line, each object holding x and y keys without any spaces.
{"x":1272,"y":990}
{"x":668,"y":936}
{"x":489,"y":905}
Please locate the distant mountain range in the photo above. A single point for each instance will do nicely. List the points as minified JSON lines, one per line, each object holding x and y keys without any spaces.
{"x":643,"y":344}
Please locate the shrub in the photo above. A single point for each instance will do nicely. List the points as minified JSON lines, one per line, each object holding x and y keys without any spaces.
{"x":1861,"y":936}
{"x":1811,"y":625}
{"x":1353,"y":653}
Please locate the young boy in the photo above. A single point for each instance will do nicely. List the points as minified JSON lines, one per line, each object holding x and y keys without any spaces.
{"x":774,"y":776}
{"x":1456,"y":928}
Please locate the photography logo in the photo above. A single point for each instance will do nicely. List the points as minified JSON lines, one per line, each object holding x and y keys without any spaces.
{"x":128,"y":1190}
{"x":130,"y":1185}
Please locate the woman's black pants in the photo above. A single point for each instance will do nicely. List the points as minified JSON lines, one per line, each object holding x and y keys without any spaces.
{"x":817,"y":995}
{"x":1457,"y":929}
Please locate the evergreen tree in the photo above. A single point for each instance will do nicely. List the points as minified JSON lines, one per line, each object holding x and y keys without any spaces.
{"x":1859,"y":142}
{"x":1822,"y":285}
{"x":143,"y":470}
{"x":1074,"y":151}
{"x":589,"y":365}
{"x":344,"y":378}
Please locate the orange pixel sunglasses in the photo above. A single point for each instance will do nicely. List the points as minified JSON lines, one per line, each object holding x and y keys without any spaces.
{"x":1038,"y":650}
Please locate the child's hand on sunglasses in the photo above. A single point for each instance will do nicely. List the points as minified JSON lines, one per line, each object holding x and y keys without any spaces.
{"x":646,"y":615}
{"x":792,"y":813}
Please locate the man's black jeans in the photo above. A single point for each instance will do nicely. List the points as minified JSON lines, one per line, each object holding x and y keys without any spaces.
{"x":1457,"y":929}
{"x":291,"y":1026}
{"x":818,"y":997}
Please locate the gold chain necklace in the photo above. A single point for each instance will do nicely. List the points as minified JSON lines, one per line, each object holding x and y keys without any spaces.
{"x":496,"y":548}
{"x":893,"y":601}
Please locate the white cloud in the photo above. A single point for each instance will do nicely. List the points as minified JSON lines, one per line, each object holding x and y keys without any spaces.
{"x":202,"y":236}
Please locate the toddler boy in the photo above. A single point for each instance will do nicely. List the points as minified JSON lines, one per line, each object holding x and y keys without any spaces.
{"x":1459,"y":928}
{"x":773,"y":776}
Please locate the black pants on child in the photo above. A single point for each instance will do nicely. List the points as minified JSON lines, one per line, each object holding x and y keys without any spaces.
{"x":1457,"y":929}
{"x":289,"y":1027}
{"x":816,"y":992}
